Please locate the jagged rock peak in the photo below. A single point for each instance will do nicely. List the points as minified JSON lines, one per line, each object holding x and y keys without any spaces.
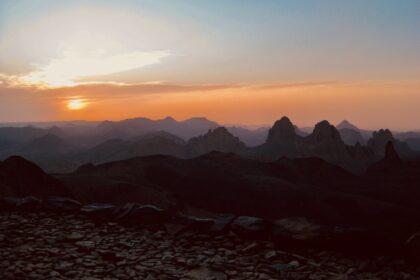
{"x":326,"y":130}
{"x":218,"y":139}
{"x":282,"y":129}
{"x":391,"y":154}
{"x":383,"y":133}
{"x":219,"y":133}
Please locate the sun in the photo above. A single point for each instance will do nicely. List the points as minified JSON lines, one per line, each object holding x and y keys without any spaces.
{"x":76,"y":104}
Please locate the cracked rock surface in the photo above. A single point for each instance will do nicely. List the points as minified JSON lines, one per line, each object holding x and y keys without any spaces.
{"x":70,"y":246}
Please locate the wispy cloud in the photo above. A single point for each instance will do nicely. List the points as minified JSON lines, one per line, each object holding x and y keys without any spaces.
{"x":294,"y":85}
{"x":75,"y":68}
{"x":125,"y":90}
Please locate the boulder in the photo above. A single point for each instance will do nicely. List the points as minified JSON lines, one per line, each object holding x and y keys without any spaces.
{"x":29,"y":203}
{"x":99,"y":211}
{"x":184,"y":223}
{"x":298,"y":230}
{"x":61,"y":204}
{"x":251,"y":227}
{"x":141,"y":215}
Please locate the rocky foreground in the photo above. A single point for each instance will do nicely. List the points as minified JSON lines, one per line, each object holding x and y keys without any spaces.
{"x":47,"y":245}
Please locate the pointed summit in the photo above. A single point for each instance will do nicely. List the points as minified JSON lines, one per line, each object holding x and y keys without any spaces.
{"x":345,"y":124}
{"x":283,"y":130}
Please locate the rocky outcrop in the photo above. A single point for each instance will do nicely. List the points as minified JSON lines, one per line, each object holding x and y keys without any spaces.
{"x":282,"y":140}
{"x":219,"y":139}
{"x":325,"y":142}
{"x":380,"y":139}
{"x":283,"y":131}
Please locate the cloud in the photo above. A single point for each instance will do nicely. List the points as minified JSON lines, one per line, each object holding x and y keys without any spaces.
{"x":74,"y":66}
{"x":114,"y":91}
{"x":294,"y":85}
{"x":47,"y":48}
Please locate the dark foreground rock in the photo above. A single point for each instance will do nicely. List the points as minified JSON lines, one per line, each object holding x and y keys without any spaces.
{"x":47,"y":245}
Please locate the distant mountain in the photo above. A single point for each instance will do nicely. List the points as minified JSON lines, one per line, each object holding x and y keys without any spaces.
{"x":64,"y":148}
{"x":48,"y":144}
{"x":110,"y":150}
{"x":159,"y":143}
{"x":346,"y":125}
{"x":324,"y":142}
{"x":282,"y":140}
{"x":21,"y":134}
{"x":302,"y":132}
{"x":351,"y":136}
{"x":219,"y":139}
{"x":251,"y":137}
{"x":138,"y":126}
{"x":407,"y":135}
{"x":412,"y":138}
{"x":49,"y":151}
{"x":413,"y":143}
{"x":379,"y":140}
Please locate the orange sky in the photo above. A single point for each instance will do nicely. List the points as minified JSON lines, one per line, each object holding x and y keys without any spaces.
{"x":368,"y":104}
{"x":245,"y":64}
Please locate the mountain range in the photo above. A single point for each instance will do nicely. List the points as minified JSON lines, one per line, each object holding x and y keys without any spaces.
{"x":63,"y":149}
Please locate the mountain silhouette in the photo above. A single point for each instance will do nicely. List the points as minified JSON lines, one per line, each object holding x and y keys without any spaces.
{"x":380,"y":139}
{"x":345,"y":124}
{"x":20,"y":177}
{"x":219,"y":139}
{"x":64,"y":148}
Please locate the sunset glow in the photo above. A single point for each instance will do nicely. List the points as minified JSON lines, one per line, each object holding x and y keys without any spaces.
{"x":129,"y":58}
{"x":76,"y":104}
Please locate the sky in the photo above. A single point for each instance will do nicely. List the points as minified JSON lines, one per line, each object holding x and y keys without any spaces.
{"x":236,"y":62}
